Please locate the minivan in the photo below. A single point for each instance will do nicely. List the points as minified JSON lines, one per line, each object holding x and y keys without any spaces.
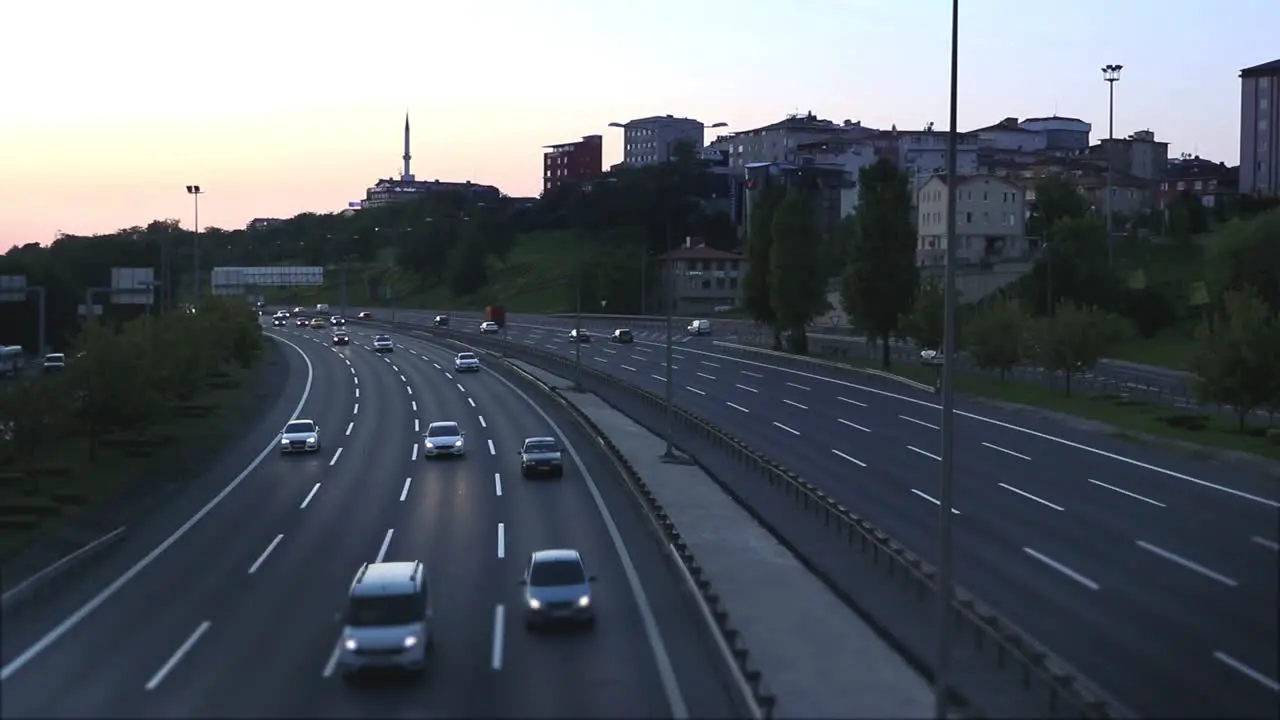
{"x":387,"y":624}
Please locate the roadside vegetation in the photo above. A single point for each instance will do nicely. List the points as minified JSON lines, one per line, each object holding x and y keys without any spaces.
{"x":140,"y":405}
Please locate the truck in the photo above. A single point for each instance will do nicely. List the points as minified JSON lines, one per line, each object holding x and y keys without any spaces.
{"x":322,"y":307}
{"x":495,"y":314}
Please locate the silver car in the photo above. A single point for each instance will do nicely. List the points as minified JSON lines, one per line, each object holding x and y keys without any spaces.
{"x":383,"y":344}
{"x":388,"y":619}
{"x":489,"y":328}
{"x":300,"y":436}
{"x":466,"y":362}
{"x":557,"y":590}
{"x":444,"y":439}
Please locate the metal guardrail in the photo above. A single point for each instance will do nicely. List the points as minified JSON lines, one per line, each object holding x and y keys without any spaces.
{"x":998,"y":670}
{"x":29,"y":588}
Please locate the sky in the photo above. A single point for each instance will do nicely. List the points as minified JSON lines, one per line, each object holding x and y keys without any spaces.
{"x":276,"y":107}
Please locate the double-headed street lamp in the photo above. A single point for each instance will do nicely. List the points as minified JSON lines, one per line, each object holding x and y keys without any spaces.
{"x":1111,"y":75}
{"x":195,"y":192}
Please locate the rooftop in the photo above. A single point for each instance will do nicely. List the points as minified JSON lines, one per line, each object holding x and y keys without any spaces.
{"x":1009,"y":124}
{"x":1053,"y":117}
{"x":700,"y":252}
{"x":1266,"y":68}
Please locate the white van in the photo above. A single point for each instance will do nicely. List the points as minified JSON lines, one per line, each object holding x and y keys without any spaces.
{"x":322,"y":308}
{"x":700,"y":327}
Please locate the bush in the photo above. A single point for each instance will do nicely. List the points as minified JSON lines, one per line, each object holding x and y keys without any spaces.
{"x":1188,"y":421}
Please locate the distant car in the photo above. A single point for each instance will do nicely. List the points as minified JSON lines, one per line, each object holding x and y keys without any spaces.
{"x":622,"y":336}
{"x":283,"y":314}
{"x":388,"y":619}
{"x":557,"y":590}
{"x":699,"y":327}
{"x":341,"y":338}
{"x":466,"y":362}
{"x":322,"y":307}
{"x":580,"y":336}
{"x":300,"y":436}
{"x":489,"y":327}
{"x":299,"y":310}
{"x":318,"y":324}
{"x":444,"y":439}
{"x":278,"y":321}
{"x":338,"y":321}
{"x":302,"y":322}
{"x":383,"y":344}
{"x":441,"y":321}
{"x":55,"y":362}
{"x":541,"y":456}
{"x":364,"y":315}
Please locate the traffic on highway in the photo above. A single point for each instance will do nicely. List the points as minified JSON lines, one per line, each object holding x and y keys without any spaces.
{"x":1154,"y":573}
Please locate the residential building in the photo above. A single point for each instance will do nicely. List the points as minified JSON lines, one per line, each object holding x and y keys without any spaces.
{"x":1260,"y":129}
{"x":921,"y":154}
{"x":706,"y":280}
{"x":828,"y":183}
{"x":1140,"y":155}
{"x":1130,"y":195}
{"x":580,"y":161}
{"x":1062,"y":134}
{"x":990,"y":221}
{"x":651,"y":140}
{"x":778,"y":142}
{"x":845,"y":154}
{"x":1008,"y":135}
{"x":1211,"y":182}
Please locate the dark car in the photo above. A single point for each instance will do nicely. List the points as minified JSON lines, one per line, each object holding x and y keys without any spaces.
{"x":341,"y":338}
{"x":279,"y":321}
{"x":622,"y":336}
{"x":581,"y":336}
{"x":338,"y":321}
{"x":441,"y":321}
{"x":303,"y":322}
{"x":541,"y":456}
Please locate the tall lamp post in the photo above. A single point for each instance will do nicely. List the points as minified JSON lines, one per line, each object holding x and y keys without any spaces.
{"x":195,"y":192}
{"x":1111,"y":74}
{"x":669,"y":455}
{"x":944,"y":589}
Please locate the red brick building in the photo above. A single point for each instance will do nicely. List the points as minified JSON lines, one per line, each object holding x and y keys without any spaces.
{"x":572,"y":162}
{"x":1210,"y":182}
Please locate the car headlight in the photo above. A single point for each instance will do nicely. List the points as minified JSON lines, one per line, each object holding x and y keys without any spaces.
{"x":534,"y":604}
{"x":458,"y":444}
{"x":350,"y":644}
{"x":312,"y":440}
{"x":584,"y":601}
{"x":284,"y":441}
{"x":410,"y":641}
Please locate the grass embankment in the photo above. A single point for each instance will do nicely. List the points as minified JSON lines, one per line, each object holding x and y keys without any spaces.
{"x":62,"y":482}
{"x":1131,"y":418}
{"x":1173,"y":269}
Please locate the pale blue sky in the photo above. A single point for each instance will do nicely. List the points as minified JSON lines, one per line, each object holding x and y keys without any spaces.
{"x":280,"y":106}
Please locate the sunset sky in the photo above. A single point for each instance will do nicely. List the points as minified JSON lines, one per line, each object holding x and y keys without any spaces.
{"x":276,"y":107}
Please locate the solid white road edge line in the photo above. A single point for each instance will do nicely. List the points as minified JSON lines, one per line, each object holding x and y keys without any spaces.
{"x":173,"y":661}
{"x":262,"y":558}
{"x":79,"y":615}
{"x":1246,"y":670}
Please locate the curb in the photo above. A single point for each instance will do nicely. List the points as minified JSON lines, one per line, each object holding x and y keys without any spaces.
{"x":28,"y":589}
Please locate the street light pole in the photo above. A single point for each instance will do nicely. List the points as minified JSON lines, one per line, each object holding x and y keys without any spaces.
{"x":577,"y":331}
{"x":944,"y":589}
{"x":1111,"y":74}
{"x":195,"y":192}
{"x":669,"y":455}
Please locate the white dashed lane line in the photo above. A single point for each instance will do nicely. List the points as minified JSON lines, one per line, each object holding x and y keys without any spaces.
{"x":1133,"y":495}
{"x":306,"y":501}
{"x":748,"y":389}
{"x":748,"y":372}
{"x":1268,"y":544}
{"x":263,"y":557}
{"x":709,"y":377}
{"x":350,"y":425}
{"x":1188,"y":564}
{"x":1247,"y":671}
{"x":414,"y":404}
{"x":173,"y":661}
{"x":502,"y":541}
{"x":704,"y":362}
{"x":795,"y":404}
{"x":801,"y":387}
{"x":851,"y":402}
{"x":1005,"y":451}
{"x":784,"y":427}
{"x":736,"y":407}
{"x":404,"y":492}
{"x":415,"y":425}
{"x":694,"y":389}
{"x":386,"y":543}
{"x":853,"y":460}
{"x":414,"y":455}
{"x":492,"y":451}
{"x":336,"y":455}
{"x":628,"y":367}
{"x":448,"y":375}
{"x":926,"y":454}
{"x":482,"y":422}
{"x":853,"y":425}
{"x":1062,"y":569}
{"x":1029,"y":496}
{"x":473,"y":402}
{"x":357,"y":392}
{"x":497,"y":484}
{"x":460,"y":388}
{"x":410,"y":389}
{"x":931,"y":426}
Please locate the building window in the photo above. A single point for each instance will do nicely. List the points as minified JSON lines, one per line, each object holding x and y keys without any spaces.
{"x":968,"y":217}
{"x":1182,"y":185}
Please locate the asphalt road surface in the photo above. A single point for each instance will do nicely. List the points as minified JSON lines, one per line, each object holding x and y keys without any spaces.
{"x":1154,"y":573}
{"x":239,"y":615}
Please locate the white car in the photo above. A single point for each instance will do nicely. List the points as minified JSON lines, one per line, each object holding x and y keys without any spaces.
{"x":700,"y":327}
{"x":300,"y":436}
{"x":466,"y":362}
{"x":489,"y":328}
{"x":444,"y":439}
{"x":383,"y":344}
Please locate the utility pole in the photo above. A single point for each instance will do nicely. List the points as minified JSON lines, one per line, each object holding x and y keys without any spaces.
{"x":669,"y":454}
{"x":195,"y":192}
{"x":1111,"y":74}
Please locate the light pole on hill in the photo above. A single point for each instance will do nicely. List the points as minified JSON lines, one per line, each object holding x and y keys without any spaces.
{"x":1111,"y":75}
{"x":577,"y":331}
{"x":195,"y":192}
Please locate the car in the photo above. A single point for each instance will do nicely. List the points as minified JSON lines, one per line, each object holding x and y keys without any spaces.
{"x":279,"y":321}
{"x":341,"y":338}
{"x":364,"y":315}
{"x":441,"y":321}
{"x":541,"y":456}
{"x":338,"y":321}
{"x":489,"y":327}
{"x":444,"y":439}
{"x":300,"y":435}
{"x":579,"y":335}
{"x":302,"y":322}
{"x":322,"y":307}
{"x":466,"y":362}
{"x":318,"y":324}
{"x":55,"y":362}
{"x":699,"y":327}
{"x":557,"y":589}
{"x":387,"y":624}
{"x":383,"y":344}
{"x":299,"y":310}
{"x":283,"y":313}
{"x":622,"y":336}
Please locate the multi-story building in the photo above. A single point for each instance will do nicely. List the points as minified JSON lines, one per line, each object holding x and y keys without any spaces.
{"x":580,"y":161}
{"x":651,"y":140}
{"x":845,"y":154}
{"x":1009,"y":135}
{"x":1210,"y":182}
{"x":706,"y":280}
{"x":1260,"y":129}
{"x":779,"y":142}
{"x":1062,"y":134}
{"x":990,"y":221}
{"x":828,"y":183}
{"x":921,"y":154}
{"x":1130,"y":195}
{"x":1140,"y":155}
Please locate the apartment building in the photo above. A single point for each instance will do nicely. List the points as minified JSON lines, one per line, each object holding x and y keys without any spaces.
{"x":706,"y":280}
{"x":1212,"y":183}
{"x":990,"y":221}
{"x":651,"y":140}
{"x":579,"y":161}
{"x":922,"y":154}
{"x":779,"y":142}
{"x":1260,"y":129}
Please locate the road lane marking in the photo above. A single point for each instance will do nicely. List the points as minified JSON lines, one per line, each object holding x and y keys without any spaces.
{"x":659,"y":378}
{"x":628,"y":367}
{"x":709,"y":377}
{"x":460,"y":387}
{"x":386,"y":542}
{"x":404,"y":492}
{"x":356,"y":409}
{"x":694,"y":389}
{"x":349,"y":426}
{"x":311,"y":494}
{"x":416,"y":426}
{"x":736,"y":407}
{"x":1029,"y":496}
{"x":1136,"y":496}
{"x":926,"y":454}
{"x":261,"y":558}
{"x":397,"y":369}
{"x":748,"y":389}
{"x":1246,"y":670}
{"x":437,"y":366}
{"x":748,"y":372}
{"x":414,"y":456}
{"x":853,"y":460}
{"x":499,"y":625}
{"x":403,"y":379}
{"x":473,"y":402}
{"x":600,"y":359}
{"x":678,"y":356}
{"x":1194,"y":567}
{"x":409,"y":388}
{"x":502,"y":541}
{"x":497,"y":484}
{"x":933,"y":500}
{"x":1062,"y":568}
{"x":1269,"y":544}
{"x":851,"y":402}
{"x":333,"y":659}
{"x":491,"y":450}
{"x":173,"y":661}
{"x":483,"y":424}
{"x":802,"y":387}
{"x":919,"y":422}
{"x":357,"y":392}
{"x":852,"y":425}
{"x":644,"y":349}
{"x":336,"y":455}
{"x":414,"y":405}
{"x":789,"y":402}
{"x":704,"y":362}
{"x":784,"y":427}
{"x":446,"y":374}
{"x":355,"y":379}
{"x":1007,"y":452}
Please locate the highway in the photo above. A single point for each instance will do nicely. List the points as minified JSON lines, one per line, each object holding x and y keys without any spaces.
{"x":1156,"y":574}
{"x":238,"y":615}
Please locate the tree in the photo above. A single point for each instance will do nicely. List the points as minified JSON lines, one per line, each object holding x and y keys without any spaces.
{"x":467,"y":270}
{"x":1075,"y":268}
{"x":926,"y":322}
{"x":880,"y":281}
{"x":1237,"y":357}
{"x":1075,"y":338}
{"x":795,"y":288}
{"x":1056,"y":200}
{"x":757,"y":298}
{"x":996,"y":337}
{"x":1246,"y":254}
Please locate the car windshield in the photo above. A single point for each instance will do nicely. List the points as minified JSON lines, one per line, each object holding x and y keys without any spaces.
{"x":540,"y":446}
{"x":339,"y":334}
{"x":623,"y":333}
{"x":382,"y":338}
{"x":554,"y":573}
{"x":443,"y":430}
{"x":300,"y":426}
{"x":466,"y":356}
{"x":385,"y":610}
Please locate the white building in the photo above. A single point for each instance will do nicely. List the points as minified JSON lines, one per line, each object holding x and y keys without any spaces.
{"x":1061,"y":133}
{"x":651,"y":140}
{"x":922,"y":154}
{"x":780,"y":141}
{"x":1009,"y":135}
{"x":990,"y":221}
